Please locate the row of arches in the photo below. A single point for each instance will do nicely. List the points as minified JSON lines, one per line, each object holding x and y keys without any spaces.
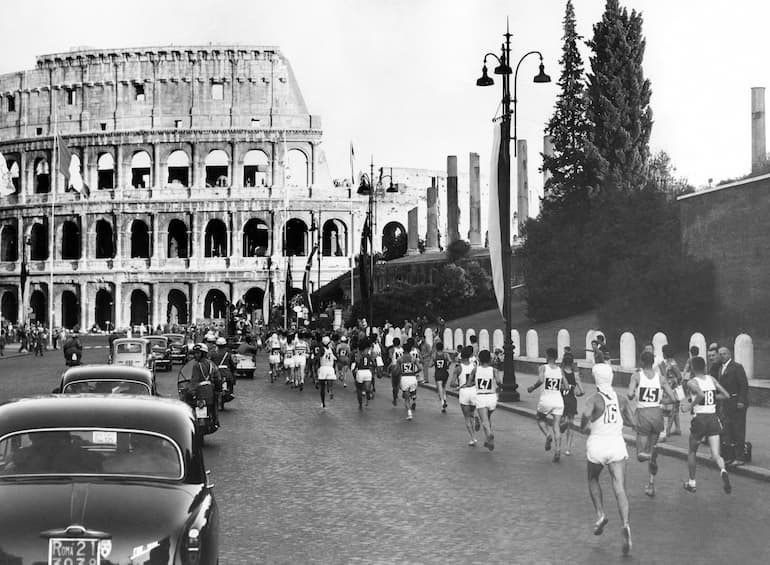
{"x":256,"y":240}
{"x":217,"y":170}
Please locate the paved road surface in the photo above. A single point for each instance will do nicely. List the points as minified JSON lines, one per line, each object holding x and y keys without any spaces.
{"x":297,"y":484}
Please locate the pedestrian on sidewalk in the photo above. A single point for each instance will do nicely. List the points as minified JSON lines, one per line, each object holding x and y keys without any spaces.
{"x":574,"y":388}
{"x":551,"y":403}
{"x":732,"y":376}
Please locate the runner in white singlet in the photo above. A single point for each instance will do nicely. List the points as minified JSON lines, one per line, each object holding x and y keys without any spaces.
{"x":326,"y":374}
{"x":301,"y":348}
{"x":551,"y":403}
{"x":466,"y":391}
{"x":487,"y":381}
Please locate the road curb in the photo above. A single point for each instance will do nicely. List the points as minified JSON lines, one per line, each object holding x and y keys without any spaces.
{"x":13,"y":355}
{"x":751,"y":471}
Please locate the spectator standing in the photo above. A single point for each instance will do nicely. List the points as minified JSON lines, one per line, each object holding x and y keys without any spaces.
{"x":2,"y":342}
{"x":670,"y":371}
{"x":732,"y":377}
{"x":23,"y":345}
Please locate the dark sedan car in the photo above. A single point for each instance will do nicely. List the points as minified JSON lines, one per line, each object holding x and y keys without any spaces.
{"x":107,"y":379}
{"x":161,"y":351}
{"x":179,"y":349}
{"x":110,"y":480}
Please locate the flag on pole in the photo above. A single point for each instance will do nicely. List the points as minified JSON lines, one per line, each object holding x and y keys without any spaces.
{"x":352,"y":165}
{"x":70,"y":168}
{"x":267,"y":300}
{"x":363,"y":275}
{"x":500,"y":170}
{"x":289,"y":282}
{"x":6,"y":181}
{"x":306,"y":280}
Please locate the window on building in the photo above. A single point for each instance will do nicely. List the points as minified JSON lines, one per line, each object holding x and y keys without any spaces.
{"x":11,"y":103}
{"x":70,"y":96}
{"x":103,"y":126}
{"x":218,"y":91}
{"x":254,"y":122}
{"x":177,"y":124}
{"x":38,"y":131}
{"x":139,"y":92}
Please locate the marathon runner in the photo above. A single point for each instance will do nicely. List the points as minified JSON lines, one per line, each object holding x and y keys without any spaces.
{"x":440,"y":362}
{"x":343,"y":360}
{"x":487,"y":381}
{"x":300,"y":359}
{"x":467,"y":393}
{"x":274,"y":356}
{"x":363,"y":369}
{"x":396,"y":352}
{"x":326,"y":375}
{"x":551,"y":403}
{"x":288,"y":360}
{"x":407,"y":369}
{"x":573,"y":389}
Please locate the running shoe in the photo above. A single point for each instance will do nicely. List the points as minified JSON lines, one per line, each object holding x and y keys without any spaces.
{"x":653,"y":467}
{"x":556,"y":457}
{"x":414,"y":406}
{"x":444,"y":406}
{"x":649,"y":490}
{"x":409,"y":415}
{"x":626,"y":534}
{"x":643,"y":456}
{"x":726,"y":482}
{"x":491,"y":442}
{"x":472,"y":443}
{"x":568,"y":453}
{"x":548,"y":441}
{"x":394,"y":402}
{"x":688,"y":487}
{"x":443,"y":410}
{"x":599,"y":525}
{"x":360,"y":407}
{"x":344,"y":385}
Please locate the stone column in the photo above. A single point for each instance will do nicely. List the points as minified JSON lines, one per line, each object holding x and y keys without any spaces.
{"x":452,"y":208}
{"x":236,"y":170}
{"x":194,"y":166}
{"x":83,"y":298}
{"x":156,"y":309}
{"x":758,"y":148}
{"x":431,"y":240}
{"x":85,"y":239}
{"x":23,"y":177}
{"x":157,"y":181}
{"x":412,"y":233}
{"x":21,"y":315}
{"x":474,"y":176}
{"x":117,"y":306}
{"x":119,"y":167}
{"x":522,"y":186}
{"x":193,"y":313}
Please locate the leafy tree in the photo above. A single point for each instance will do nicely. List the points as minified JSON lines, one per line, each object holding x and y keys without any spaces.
{"x":457,"y":250}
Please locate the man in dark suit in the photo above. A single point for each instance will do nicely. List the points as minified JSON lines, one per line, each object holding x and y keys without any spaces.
{"x":732,"y":377}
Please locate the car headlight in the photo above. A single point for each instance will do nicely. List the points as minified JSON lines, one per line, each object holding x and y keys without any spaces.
{"x":193,"y":545}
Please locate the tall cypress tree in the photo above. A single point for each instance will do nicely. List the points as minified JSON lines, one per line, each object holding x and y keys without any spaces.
{"x":568,"y":127}
{"x":618,"y":102}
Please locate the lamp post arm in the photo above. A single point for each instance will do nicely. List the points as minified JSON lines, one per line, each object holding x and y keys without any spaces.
{"x":515,"y":84}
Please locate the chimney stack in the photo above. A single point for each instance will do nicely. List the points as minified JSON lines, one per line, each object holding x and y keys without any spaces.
{"x":758,"y":148}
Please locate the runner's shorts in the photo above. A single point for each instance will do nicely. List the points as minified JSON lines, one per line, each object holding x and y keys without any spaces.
{"x":300,"y":361}
{"x":288,"y":362}
{"x":606,"y":450}
{"x":363,"y":376}
{"x":546,"y":407}
{"x":486,"y":400}
{"x":326,"y":374}
{"x":408,"y":383}
{"x":704,"y":425}
{"x":274,"y":359}
{"x":467,"y":396}
{"x":649,"y":420}
{"x":441,"y":377}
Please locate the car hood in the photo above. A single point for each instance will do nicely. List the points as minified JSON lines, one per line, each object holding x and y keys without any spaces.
{"x":143,"y":519}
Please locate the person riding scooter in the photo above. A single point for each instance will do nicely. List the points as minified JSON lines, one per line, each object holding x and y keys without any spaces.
{"x":197,"y":371}
{"x":223,"y":359}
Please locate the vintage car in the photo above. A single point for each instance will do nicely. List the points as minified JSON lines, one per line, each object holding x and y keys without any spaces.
{"x":133,"y":352}
{"x":113,"y":479}
{"x":179,"y":349}
{"x":161,"y":351}
{"x":107,"y":379}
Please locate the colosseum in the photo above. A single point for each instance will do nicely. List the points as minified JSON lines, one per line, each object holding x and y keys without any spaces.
{"x":206,"y":178}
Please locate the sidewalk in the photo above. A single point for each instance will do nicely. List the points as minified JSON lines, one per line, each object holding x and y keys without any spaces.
{"x":757,"y":429}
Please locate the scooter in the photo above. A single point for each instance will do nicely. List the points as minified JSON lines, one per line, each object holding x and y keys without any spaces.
{"x":202,"y":399}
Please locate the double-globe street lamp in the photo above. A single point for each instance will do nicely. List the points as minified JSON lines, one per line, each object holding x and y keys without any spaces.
{"x":509,"y":391}
{"x":369,"y":188}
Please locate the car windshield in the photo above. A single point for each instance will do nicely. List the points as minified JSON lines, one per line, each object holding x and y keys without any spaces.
{"x":107,"y":386}
{"x":176,"y":340}
{"x":101,"y":452}
{"x":129,"y":348}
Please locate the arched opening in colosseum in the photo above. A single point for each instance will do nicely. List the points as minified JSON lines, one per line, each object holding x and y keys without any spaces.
{"x":42,"y":176}
{"x":217,"y":168}
{"x":105,"y":243}
{"x":253,"y":300}
{"x":394,"y":240}
{"x":141,"y":170}
{"x":216,"y":239}
{"x":255,"y":168}
{"x":140,"y":308}
{"x":215,"y":305}
{"x":39,"y":305}
{"x":176,"y":311}
{"x":179,"y":168}
{"x":295,"y":238}
{"x":9,"y":306}
{"x":140,"y":240}
{"x":13,"y":169}
{"x":103,"y":310}
{"x":105,"y":171}
{"x":296,"y":169}
{"x":334,"y":239}
{"x":70,"y":241}
{"x":256,"y":238}
{"x":9,"y":244}
{"x":38,"y":242}
{"x":177,"y":240}
{"x":70,"y":310}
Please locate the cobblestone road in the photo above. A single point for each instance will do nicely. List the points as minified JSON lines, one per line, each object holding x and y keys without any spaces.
{"x":298,"y":484}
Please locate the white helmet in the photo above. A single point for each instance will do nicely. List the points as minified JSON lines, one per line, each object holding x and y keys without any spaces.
{"x":221,"y":341}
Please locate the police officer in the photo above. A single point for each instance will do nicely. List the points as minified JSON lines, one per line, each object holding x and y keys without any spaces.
{"x":222,"y":357}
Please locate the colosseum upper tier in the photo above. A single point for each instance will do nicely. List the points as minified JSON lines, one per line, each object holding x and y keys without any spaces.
{"x":206,"y":177}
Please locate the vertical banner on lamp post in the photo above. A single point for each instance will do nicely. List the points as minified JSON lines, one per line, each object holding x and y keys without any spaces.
{"x":497,"y":168}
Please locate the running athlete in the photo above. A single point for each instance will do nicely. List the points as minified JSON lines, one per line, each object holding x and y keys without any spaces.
{"x":440,"y":364}
{"x":704,"y":391}
{"x":316,"y":350}
{"x":647,"y":386}
{"x":288,"y":361}
{"x":603,"y":418}
{"x":407,"y":369}
{"x":343,"y":360}
{"x":487,"y":381}
{"x":414,"y":353}
{"x":326,"y":375}
{"x":551,"y":403}
{"x":396,"y":351}
{"x":573,"y":389}
{"x":274,"y":357}
{"x":300,"y":359}
{"x":467,"y":392}
{"x":363,"y":369}
{"x":377,"y":353}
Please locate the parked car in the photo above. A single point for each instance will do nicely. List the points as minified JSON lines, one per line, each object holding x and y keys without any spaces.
{"x":161,"y":351}
{"x":112,"y":479}
{"x":133,"y":352}
{"x":179,"y":348}
{"x":107,"y":379}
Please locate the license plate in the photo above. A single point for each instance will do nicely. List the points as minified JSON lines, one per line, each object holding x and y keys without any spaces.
{"x":224,"y":386}
{"x":73,"y":551}
{"x":201,"y":412}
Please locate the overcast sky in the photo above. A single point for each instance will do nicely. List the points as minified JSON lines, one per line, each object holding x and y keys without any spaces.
{"x":397,"y":77}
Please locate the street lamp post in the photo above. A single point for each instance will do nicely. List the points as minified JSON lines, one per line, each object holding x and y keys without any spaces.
{"x":509,"y":390}
{"x":367,"y":187}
